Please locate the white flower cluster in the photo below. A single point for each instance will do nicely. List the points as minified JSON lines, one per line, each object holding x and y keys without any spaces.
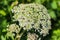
{"x":13,"y":28}
{"x":32,"y":36}
{"x":32,"y":16}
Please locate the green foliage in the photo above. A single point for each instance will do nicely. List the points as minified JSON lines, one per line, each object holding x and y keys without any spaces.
{"x":52,"y":14}
{"x":40,"y":1}
{"x":3,"y":38}
{"x":53,"y":7}
{"x":2,"y":12}
{"x":56,"y":35}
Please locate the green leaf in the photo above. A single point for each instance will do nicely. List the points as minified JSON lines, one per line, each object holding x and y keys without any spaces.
{"x":54,"y":37}
{"x":54,"y":5}
{"x":4,"y":23}
{"x":5,"y":2}
{"x":57,"y":32}
{"x":42,"y":1}
{"x":59,"y":38}
{"x":3,"y":38}
{"x":38,"y":1}
{"x":2,"y":12}
{"x":4,"y":30}
{"x":58,"y":3}
{"x":52,"y":14}
{"x":29,"y":0}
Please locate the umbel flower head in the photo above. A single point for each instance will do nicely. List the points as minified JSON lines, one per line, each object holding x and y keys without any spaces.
{"x":32,"y":16}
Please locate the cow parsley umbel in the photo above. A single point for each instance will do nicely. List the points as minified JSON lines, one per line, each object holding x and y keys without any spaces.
{"x":32,"y":16}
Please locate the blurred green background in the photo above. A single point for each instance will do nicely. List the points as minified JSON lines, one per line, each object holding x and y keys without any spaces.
{"x":53,"y":7}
